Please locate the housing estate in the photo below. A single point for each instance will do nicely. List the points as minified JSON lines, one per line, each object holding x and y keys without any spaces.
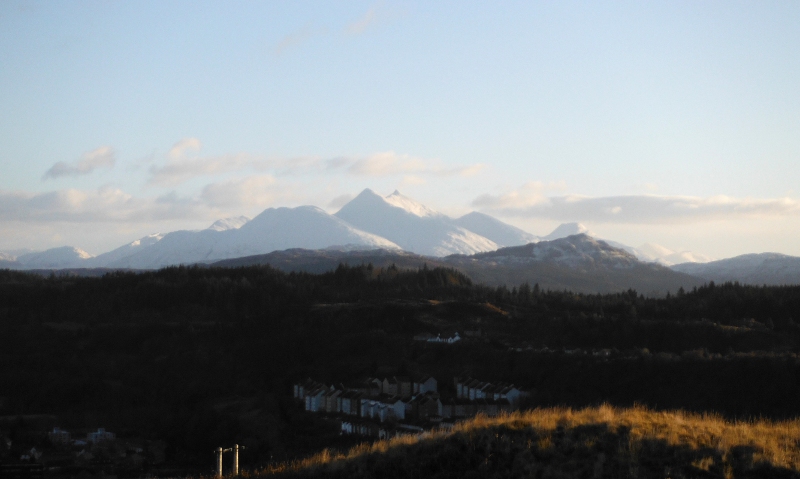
{"x":403,"y":399}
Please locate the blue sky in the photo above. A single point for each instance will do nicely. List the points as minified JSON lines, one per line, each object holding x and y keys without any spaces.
{"x":675,"y":123}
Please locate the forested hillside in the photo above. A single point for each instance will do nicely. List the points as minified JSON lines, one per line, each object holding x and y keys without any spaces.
{"x":200,"y":357}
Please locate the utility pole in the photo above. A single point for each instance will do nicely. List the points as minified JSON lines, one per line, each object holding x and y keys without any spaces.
{"x":236,"y":448}
{"x":218,"y":451}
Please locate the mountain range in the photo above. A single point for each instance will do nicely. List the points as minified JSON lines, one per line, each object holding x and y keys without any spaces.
{"x":398,"y":229}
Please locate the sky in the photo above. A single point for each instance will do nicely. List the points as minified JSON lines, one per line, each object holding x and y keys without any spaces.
{"x":675,"y":123}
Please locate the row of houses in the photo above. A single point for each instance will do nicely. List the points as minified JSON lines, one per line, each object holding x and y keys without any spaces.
{"x":61,"y":436}
{"x":368,"y":401}
{"x":401,"y":386}
{"x":473,"y":389}
{"x":430,"y":338}
{"x":387,"y":399}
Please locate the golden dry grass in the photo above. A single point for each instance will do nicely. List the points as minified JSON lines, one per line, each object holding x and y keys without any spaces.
{"x":714,"y":439}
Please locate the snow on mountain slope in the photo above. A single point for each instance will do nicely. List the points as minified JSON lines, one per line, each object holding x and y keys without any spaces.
{"x":660,"y":254}
{"x":274,"y":229}
{"x":115,"y":255}
{"x":648,"y":252}
{"x":63,"y":257}
{"x":414,"y":227}
{"x":489,"y":227}
{"x":232,"y":223}
{"x":413,"y":207}
{"x":574,"y":251}
{"x":757,"y":269}
{"x":576,"y":263}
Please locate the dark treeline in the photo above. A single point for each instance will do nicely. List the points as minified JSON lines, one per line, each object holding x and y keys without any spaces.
{"x":203,"y":357}
{"x":242,"y":292}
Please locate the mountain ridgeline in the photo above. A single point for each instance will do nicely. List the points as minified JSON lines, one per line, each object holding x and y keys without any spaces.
{"x":398,"y":230}
{"x":577,"y":263}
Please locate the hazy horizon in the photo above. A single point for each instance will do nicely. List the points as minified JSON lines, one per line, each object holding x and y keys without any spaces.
{"x":672,"y":123}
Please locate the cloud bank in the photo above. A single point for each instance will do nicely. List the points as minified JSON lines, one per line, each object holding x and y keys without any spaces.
{"x":180,"y":168}
{"x":103,"y":157}
{"x":633,"y":209}
{"x":101,"y":205}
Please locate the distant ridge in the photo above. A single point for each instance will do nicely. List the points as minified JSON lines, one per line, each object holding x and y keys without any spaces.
{"x":757,"y":269}
{"x":321,"y":261}
{"x":577,"y":263}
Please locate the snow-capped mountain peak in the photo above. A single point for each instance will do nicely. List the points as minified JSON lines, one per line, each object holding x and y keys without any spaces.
{"x":411,"y":225}
{"x":568,"y":229}
{"x":232,"y":223}
{"x":409,"y":205}
{"x":147,"y":240}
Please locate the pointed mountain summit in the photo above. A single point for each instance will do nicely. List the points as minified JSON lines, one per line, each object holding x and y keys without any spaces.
{"x":490,"y":227}
{"x":411,"y":225}
{"x":232,"y":223}
{"x":567,"y":229}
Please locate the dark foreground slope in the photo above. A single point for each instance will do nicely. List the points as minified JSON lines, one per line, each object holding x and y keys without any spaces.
{"x":184,"y":360}
{"x":562,"y":443}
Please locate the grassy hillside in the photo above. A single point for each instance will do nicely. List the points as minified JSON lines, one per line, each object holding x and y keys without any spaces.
{"x":558,"y":442}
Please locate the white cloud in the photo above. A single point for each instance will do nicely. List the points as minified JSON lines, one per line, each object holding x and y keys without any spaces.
{"x":531,"y":194}
{"x":182,"y":169}
{"x":635,"y":209}
{"x":179,"y":168}
{"x":179,"y":149}
{"x":389,"y":163}
{"x":103,"y":157}
{"x":102,"y":205}
{"x":254,"y":191}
